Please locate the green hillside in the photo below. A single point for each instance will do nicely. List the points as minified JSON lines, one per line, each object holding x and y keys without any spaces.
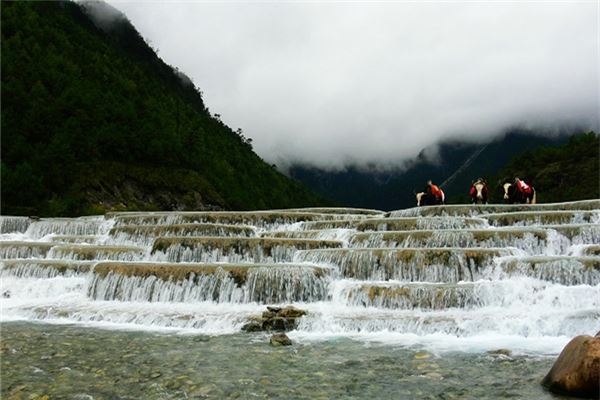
{"x":93,"y":120}
{"x":560,"y":173}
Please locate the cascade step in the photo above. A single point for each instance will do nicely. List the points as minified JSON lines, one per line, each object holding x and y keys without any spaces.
{"x":530,"y":239}
{"x":95,"y":252}
{"x":183,"y":282}
{"x":578,"y":233}
{"x":77,"y":239}
{"x":147,"y":233}
{"x":408,"y":264}
{"x":470,"y":210}
{"x":564,"y":270}
{"x":591,"y":250}
{"x":10,"y":224}
{"x":65,"y":226}
{"x":27,"y":268}
{"x":330,"y":224}
{"x":140,"y":315}
{"x":210,"y":249}
{"x":23,"y":249}
{"x":484,"y":293}
{"x":321,"y":234}
{"x":336,"y":210}
{"x":350,"y":321}
{"x":534,"y":322}
{"x":542,"y":218}
{"x":254,"y":218}
{"x":418,"y":223}
{"x":407,"y":296}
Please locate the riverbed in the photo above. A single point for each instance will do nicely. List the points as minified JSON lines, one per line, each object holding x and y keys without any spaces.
{"x":77,"y":362}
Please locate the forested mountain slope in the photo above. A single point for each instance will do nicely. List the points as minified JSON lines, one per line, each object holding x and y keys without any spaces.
{"x":560,"y":173}
{"x":94,"y":120}
{"x":457,"y":164}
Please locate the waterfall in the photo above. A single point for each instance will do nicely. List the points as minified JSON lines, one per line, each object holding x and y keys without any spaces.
{"x":145,"y":235}
{"x":476,"y":272}
{"x":14,"y":224}
{"x":558,"y":269}
{"x":214,"y":249}
{"x":95,"y":252}
{"x":12,"y":249}
{"x":285,"y":284}
{"x":410,"y":264}
{"x":466,"y":295}
{"x":28,"y":268}
{"x":263,"y":285}
{"x":66,"y":226}
{"x":421,"y":223}
{"x":215,"y":287}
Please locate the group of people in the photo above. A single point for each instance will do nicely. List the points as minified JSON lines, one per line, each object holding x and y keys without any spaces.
{"x":515,"y":192}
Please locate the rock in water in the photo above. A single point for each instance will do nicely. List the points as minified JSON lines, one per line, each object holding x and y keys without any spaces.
{"x":280,"y":339}
{"x":500,"y":352}
{"x":252,"y":326}
{"x":275,"y":319}
{"x":291,"y":312}
{"x":576,"y":372}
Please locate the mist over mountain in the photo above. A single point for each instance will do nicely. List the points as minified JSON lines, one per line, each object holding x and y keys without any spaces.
{"x":343,"y":84}
{"x":451,"y":164}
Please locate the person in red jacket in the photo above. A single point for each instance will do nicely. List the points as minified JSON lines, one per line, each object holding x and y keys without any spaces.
{"x":436,"y":192}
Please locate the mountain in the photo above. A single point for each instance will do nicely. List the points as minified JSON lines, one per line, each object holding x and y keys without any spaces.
{"x":561,"y":173}
{"x":93,"y":120}
{"x":456,"y":165}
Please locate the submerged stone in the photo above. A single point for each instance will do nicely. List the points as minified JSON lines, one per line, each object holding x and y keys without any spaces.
{"x":500,"y":352}
{"x":252,"y":326}
{"x":280,"y":339}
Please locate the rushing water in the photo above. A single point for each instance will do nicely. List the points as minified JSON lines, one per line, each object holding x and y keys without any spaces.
{"x":151,"y":305}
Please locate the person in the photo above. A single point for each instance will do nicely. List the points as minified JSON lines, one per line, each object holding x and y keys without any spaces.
{"x":436,"y":191}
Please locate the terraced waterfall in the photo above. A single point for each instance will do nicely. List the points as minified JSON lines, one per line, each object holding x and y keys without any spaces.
{"x":450,"y":278}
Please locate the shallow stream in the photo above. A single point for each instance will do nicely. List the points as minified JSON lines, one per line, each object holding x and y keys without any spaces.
{"x":75,"y":362}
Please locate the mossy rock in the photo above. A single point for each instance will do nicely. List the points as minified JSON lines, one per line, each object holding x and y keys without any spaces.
{"x":280,"y":339}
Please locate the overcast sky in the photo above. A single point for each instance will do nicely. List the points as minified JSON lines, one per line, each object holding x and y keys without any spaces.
{"x":338,"y":83}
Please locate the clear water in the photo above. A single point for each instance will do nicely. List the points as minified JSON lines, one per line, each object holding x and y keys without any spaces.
{"x":74,"y":362}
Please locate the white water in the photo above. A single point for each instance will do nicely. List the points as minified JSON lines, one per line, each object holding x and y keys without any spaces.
{"x":529,"y":294}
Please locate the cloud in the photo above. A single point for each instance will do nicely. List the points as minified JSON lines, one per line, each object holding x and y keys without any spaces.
{"x":102,"y":14}
{"x":333,"y":84}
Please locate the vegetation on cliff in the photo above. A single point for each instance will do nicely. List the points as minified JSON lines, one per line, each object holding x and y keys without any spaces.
{"x":94,"y":120}
{"x":560,"y":173}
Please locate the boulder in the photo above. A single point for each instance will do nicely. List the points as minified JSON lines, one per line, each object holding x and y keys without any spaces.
{"x":576,"y":372}
{"x":252,"y":326}
{"x":280,"y":339}
{"x":275,"y":319}
{"x":291,"y":312}
{"x":279,"y":324}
